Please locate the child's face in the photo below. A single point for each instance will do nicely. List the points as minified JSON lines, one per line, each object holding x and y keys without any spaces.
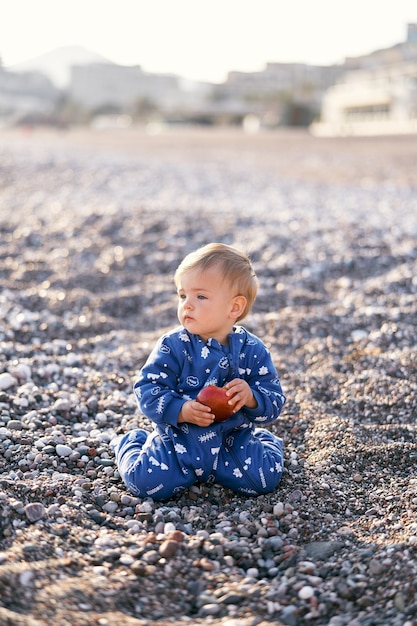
{"x":208,"y":306}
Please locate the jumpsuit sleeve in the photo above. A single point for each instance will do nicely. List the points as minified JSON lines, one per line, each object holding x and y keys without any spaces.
{"x":263,"y":379}
{"x":155,"y":389}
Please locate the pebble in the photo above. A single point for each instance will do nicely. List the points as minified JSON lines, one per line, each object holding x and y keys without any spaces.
{"x":14,"y":425}
{"x":7,"y":381}
{"x":278,"y":509}
{"x":35,"y":511}
{"x":62,"y":405}
{"x":168,"y":548}
{"x":26,"y":577}
{"x":306,"y":592}
{"x":346,"y":531}
{"x":63,"y":450}
{"x":209,"y":609}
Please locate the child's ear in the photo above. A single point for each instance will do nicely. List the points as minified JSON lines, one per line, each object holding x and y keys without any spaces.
{"x":238,"y":306}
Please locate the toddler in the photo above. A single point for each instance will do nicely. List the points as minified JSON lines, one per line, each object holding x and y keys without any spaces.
{"x":216,"y":288}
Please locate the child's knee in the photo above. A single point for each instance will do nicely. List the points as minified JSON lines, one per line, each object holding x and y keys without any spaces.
{"x":134,"y":439}
{"x":149,"y":470}
{"x":254,"y":467}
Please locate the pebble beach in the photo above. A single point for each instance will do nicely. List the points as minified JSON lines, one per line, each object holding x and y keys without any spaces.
{"x":93,"y":226}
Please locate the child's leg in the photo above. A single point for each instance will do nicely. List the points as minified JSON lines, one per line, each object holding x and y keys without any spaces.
{"x":149,"y":466}
{"x":251,"y":462}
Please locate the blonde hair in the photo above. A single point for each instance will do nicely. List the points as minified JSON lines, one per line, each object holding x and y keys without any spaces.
{"x":234,"y":265}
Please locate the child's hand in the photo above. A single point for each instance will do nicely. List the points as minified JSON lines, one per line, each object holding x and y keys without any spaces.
{"x":196,"y":413}
{"x":240,"y":394}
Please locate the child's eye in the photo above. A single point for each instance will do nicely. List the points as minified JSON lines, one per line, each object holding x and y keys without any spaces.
{"x":201,"y":297}
{"x":181,"y":296}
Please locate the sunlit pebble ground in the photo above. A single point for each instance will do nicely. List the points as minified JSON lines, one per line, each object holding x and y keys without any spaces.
{"x":93,"y":226}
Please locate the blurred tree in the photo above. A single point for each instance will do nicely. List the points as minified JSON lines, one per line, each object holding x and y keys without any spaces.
{"x":144,"y":109}
{"x":69,"y":112}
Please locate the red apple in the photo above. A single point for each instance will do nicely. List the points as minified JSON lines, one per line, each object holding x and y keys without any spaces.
{"x":216,"y":399}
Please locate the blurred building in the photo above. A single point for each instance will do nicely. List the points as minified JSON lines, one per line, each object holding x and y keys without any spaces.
{"x":106,"y":87}
{"x":26,"y":97}
{"x":377,"y":94}
{"x":281,"y":94}
{"x":100,"y":85}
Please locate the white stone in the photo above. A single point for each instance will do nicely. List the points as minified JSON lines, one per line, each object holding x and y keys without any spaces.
{"x":7,"y":381}
{"x":62,"y":404}
{"x":146,"y":507}
{"x":169,"y":528}
{"x":63,"y":450}
{"x":23,"y":371}
{"x":278,"y":509}
{"x":358,"y":334}
{"x":252,"y":572}
{"x":26,"y":577}
{"x":110,"y":507}
{"x":306,"y":592}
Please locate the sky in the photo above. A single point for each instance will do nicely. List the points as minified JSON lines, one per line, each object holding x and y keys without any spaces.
{"x":204,"y":40}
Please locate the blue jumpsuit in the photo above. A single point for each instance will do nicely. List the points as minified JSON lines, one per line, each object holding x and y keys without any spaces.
{"x":236,"y":453}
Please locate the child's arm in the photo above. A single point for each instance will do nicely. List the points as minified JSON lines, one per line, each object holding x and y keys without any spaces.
{"x":258,"y":393}
{"x":157,"y":389}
